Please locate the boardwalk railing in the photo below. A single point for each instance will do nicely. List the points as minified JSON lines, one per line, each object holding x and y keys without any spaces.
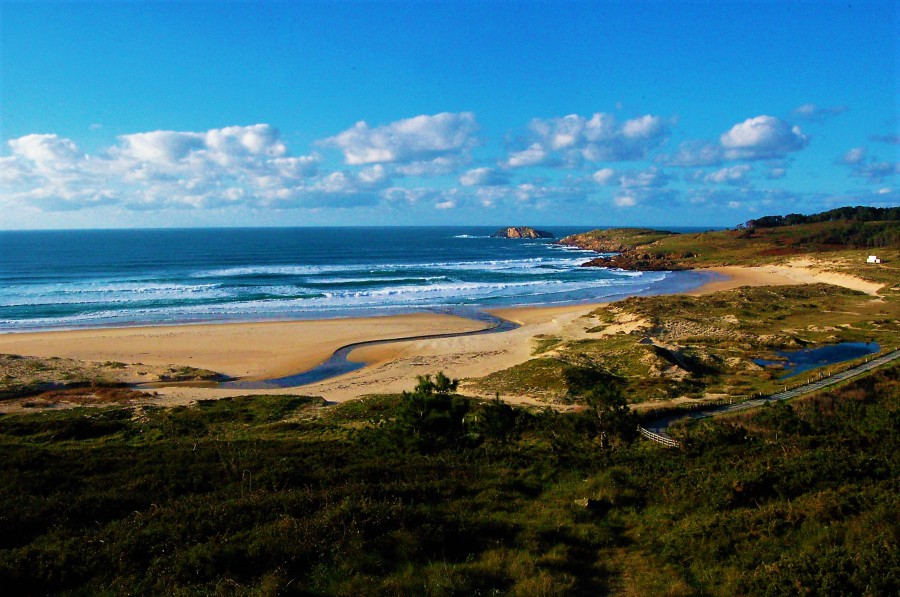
{"x":719,"y":407}
{"x":655,"y":437}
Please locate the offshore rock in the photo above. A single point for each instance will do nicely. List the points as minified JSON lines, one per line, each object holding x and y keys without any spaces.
{"x":521,"y":232}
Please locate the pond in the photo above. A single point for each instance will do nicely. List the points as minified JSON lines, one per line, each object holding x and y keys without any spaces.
{"x":798,"y":361}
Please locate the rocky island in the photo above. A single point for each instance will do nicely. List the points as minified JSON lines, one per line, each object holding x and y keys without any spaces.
{"x":521,"y":232}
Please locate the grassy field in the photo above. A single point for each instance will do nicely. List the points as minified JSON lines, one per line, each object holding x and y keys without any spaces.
{"x":285,"y":495}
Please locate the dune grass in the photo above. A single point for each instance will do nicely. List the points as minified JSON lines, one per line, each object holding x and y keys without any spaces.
{"x":697,"y":346}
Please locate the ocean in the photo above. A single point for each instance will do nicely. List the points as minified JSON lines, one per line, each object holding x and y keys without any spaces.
{"x":74,"y":279}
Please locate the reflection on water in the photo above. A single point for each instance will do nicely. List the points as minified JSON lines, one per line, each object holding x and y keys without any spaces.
{"x":798,"y":361}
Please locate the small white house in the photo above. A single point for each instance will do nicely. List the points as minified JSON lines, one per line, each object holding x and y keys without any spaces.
{"x":873,"y":259}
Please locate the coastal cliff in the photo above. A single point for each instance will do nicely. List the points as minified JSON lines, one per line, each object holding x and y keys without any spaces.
{"x":522,"y":232}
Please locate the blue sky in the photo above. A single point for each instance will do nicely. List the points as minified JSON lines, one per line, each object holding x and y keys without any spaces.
{"x":135,"y":114}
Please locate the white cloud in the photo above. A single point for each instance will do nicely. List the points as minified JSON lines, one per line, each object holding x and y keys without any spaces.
{"x":732,"y":174}
{"x":776,"y":173}
{"x":374,"y":175}
{"x":169,"y":153}
{"x":533,"y":194}
{"x":625,"y":200}
{"x":533,"y":155}
{"x":762,"y":137}
{"x":296,"y":167}
{"x":412,"y":196}
{"x":414,"y":139}
{"x":692,"y":154}
{"x":646,"y":195}
{"x":604,"y":176}
{"x":854,"y":156}
{"x":652,"y":177}
{"x":160,"y":147}
{"x":483,"y":177}
{"x":160,"y":169}
{"x":876,"y":171}
{"x":869,"y":167}
{"x":449,"y":204}
{"x":440,"y":166}
{"x":12,"y":172}
{"x":45,"y":150}
{"x":749,"y":198}
{"x":892,"y":138}
{"x":43,"y":170}
{"x":576,"y":139}
{"x":814,"y":113}
{"x":645,"y":127}
{"x":547,"y":195}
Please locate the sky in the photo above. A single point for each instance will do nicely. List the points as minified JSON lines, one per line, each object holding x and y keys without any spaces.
{"x":311,"y":113}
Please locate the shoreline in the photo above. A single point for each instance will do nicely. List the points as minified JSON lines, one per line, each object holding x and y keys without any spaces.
{"x":248,"y":350}
{"x":260,"y":350}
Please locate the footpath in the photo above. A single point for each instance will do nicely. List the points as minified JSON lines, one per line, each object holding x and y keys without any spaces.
{"x":657,"y":430}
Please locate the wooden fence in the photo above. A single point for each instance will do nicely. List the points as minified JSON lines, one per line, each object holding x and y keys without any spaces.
{"x":655,"y":437}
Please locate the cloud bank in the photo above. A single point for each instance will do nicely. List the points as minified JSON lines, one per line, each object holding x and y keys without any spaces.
{"x":758,"y":138}
{"x":575,"y":139}
{"x":421,"y":138}
{"x":436,"y":161}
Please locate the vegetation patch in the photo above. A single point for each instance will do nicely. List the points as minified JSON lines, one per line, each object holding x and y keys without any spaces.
{"x":846,"y":235}
{"x":23,"y":376}
{"x":544,"y":342}
{"x":435,"y":493}
{"x":694,"y":347}
{"x":542,"y":378}
{"x":53,"y":380}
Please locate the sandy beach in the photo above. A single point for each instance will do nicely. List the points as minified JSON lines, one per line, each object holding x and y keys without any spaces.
{"x":246,"y":350}
{"x":272,"y":349}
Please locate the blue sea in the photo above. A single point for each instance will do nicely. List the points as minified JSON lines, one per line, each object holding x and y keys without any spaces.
{"x":74,"y":279}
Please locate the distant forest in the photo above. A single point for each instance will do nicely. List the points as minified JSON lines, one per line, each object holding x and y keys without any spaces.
{"x":861,"y":227}
{"x":841,"y":214}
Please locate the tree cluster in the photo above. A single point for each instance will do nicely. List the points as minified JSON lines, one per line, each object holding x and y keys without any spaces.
{"x":860,"y":213}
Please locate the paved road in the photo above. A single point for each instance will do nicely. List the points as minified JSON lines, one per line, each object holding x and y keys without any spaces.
{"x":657,"y":429}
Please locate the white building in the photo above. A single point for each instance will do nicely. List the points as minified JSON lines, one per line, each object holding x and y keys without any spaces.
{"x":873,"y":259}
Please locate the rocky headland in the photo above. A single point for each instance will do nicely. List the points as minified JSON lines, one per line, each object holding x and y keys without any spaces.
{"x":641,"y":262}
{"x":628,"y":248}
{"x":522,"y":232}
